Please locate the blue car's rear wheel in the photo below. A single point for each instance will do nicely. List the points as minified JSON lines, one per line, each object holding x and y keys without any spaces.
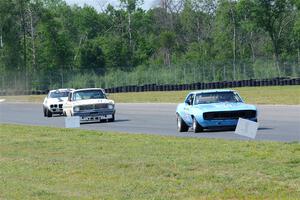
{"x":181,"y":125}
{"x":196,"y":126}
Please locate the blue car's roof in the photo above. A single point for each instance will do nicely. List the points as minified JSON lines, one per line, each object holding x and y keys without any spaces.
{"x":210,"y":91}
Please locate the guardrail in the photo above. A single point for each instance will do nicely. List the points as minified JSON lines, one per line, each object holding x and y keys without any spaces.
{"x":280,"y":81}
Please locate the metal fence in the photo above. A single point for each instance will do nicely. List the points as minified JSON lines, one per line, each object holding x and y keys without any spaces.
{"x":279,"y":81}
{"x":185,"y":73}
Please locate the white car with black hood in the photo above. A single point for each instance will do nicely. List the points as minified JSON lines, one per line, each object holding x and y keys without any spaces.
{"x":55,"y":101}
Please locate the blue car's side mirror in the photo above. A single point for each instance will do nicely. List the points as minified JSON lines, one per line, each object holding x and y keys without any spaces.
{"x":188,"y":102}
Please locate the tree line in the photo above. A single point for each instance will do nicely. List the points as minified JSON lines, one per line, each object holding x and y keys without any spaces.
{"x":48,"y":43}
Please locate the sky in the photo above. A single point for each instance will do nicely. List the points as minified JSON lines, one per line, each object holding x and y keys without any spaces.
{"x":100,"y":4}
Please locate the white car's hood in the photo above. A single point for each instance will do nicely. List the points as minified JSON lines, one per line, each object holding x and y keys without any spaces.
{"x":92,"y":101}
{"x":57,"y":100}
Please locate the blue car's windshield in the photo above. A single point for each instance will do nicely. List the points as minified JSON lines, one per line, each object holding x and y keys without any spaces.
{"x":217,"y":97}
{"x":58,"y":94}
{"x":88,"y":94}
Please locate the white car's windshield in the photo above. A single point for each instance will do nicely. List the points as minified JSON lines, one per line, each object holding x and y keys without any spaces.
{"x":217,"y":97}
{"x":88,"y":94}
{"x":58,"y":94}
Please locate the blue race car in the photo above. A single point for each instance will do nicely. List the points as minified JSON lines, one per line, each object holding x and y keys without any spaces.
{"x":207,"y":109}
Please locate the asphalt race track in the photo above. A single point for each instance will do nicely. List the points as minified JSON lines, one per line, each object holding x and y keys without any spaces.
{"x":277,"y":123}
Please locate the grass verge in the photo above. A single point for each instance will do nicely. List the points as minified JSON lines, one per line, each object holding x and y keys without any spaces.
{"x":52,"y":163}
{"x":286,"y":95}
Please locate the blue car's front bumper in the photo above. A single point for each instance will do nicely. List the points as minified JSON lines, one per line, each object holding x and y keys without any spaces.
{"x":220,"y":123}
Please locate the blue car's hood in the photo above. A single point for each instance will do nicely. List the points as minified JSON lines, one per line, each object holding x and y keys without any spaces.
{"x":224,"y":107}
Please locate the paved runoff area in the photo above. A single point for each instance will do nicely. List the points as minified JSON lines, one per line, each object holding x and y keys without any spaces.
{"x":276,"y":123}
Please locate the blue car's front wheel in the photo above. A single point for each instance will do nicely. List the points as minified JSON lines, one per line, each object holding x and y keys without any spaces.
{"x":181,"y":125}
{"x":196,"y":126}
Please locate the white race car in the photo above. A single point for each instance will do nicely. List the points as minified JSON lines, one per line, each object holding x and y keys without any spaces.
{"x":54,"y":101}
{"x":90,"y":104}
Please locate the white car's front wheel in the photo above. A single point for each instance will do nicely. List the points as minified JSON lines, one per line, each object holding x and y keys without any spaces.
{"x":48,"y":113}
{"x":45,"y":112}
{"x":112,"y":119}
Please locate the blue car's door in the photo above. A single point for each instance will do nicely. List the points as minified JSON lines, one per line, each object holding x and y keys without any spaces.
{"x":188,"y":106}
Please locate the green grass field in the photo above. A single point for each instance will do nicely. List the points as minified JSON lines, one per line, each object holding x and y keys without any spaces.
{"x":286,"y":95}
{"x":52,"y":163}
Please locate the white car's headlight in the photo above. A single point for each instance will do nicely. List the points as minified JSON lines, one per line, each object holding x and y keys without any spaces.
{"x":76,"y":109}
{"x":110,"y":106}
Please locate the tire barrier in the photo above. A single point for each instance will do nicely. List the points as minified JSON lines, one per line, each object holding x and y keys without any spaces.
{"x":279,"y":81}
{"x":22,"y":92}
